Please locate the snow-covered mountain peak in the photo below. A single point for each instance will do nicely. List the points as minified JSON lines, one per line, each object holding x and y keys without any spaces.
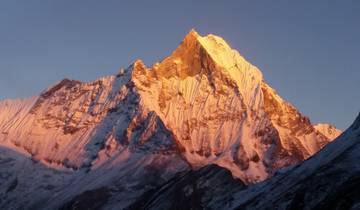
{"x":209,"y":58}
{"x":192,"y":35}
{"x":209,"y":55}
{"x":215,"y":46}
{"x":221,"y":111}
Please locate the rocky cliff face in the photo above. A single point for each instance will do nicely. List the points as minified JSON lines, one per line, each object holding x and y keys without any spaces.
{"x":202,"y":105}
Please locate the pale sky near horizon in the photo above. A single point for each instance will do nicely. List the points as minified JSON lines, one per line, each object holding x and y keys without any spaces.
{"x":309,"y":51}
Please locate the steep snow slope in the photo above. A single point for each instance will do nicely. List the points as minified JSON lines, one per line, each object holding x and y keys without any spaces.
{"x":12,"y":110}
{"x":328,"y":180}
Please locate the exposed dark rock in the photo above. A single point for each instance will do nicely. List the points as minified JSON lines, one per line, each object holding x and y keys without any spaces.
{"x":200,"y":189}
{"x":88,"y":200}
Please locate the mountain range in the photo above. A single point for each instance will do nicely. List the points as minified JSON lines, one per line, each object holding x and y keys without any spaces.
{"x":199,"y":130}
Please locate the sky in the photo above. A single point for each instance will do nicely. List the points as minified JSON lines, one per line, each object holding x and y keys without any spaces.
{"x":309,"y":51}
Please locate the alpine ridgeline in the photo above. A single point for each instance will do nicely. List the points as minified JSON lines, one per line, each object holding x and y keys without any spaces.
{"x":202,"y":105}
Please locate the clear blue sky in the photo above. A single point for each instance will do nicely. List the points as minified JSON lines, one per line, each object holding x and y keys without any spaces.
{"x":309,"y":51}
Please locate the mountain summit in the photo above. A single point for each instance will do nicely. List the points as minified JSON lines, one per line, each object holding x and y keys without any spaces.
{"x":203,"y":105}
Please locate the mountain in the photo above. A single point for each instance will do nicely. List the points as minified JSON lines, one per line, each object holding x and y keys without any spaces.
{"x":123,"y":135}
{"x":221,"y":110}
